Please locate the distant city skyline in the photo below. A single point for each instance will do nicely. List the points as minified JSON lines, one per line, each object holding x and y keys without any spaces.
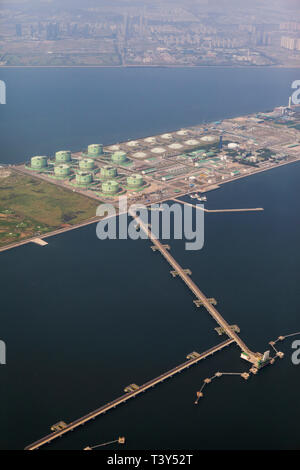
{"x":143,"y":33}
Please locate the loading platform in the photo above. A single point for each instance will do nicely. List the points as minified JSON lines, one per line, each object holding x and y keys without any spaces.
{"x":58,"y":426}
{"x":221,"y":331}
{"x":131,"y":388}
{"x":199,"y":302}
{"x":177,"y":273}
{"x":154,"y":248}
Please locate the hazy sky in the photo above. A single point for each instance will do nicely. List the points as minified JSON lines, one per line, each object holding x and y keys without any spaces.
{"x":226,"y":6}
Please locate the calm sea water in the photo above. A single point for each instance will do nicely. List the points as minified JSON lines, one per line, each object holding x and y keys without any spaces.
{"x":83,"y":318}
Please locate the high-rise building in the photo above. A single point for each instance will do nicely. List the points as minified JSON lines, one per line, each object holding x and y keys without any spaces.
{"x":52,"y":31}
{"x":288,"y":42}
{"x":221,"y":142}
{"x":290,"y":26}
{"x":18,"y":30}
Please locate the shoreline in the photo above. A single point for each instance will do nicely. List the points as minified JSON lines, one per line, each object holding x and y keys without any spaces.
{"x":97,"y":219}
{"x":260,"y":170}
{"x":207,"y":187}
{"x":150,"y":66}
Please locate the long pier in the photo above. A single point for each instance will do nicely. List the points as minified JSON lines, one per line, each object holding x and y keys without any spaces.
{"x":254,"y":209}
{"x":122,"y":399}
{"x":184,"y":274}
{"x":252,"y":357}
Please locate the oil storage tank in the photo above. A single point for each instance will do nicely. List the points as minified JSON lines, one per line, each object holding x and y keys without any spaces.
{"x":135,"y":181}
{"x":86,"y":164}
{"x":119,"y":157}
{"x":94,"y":150}
{"x":63,"y":156}
{"x":62,"y":171}
{"x":110,"y":187}
{"x":108,"y":172}
{"x":83,"y":178}
{"x":39,"y":162}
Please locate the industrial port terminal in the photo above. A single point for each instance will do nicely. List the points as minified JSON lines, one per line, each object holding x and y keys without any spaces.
{"x":257,"y":360}
{"x":163,"y":168}
{"x":159,"y":167}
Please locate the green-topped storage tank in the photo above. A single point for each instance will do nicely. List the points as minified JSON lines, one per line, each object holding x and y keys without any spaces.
{"x":135,"y":181}
{"x":119,"y":157}
{"x":62,"y":171}
{"x":108,"y":172}
{"x":110,"y":187}
{"x":63,"y":156}
{"x":39,"y":162}
{"x":86,"y":164}
{"x":83,"y":178}
{"x":94,"y":150}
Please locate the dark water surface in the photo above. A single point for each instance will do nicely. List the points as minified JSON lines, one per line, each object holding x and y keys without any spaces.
{"x":83,"y":318}
{"x":52,"y":109}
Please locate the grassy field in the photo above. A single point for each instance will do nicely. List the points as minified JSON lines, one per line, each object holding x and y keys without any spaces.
{"x":30,"y":207}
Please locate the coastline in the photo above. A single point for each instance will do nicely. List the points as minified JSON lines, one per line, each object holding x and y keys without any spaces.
{"x":150,"y":66}
{"x":97,"y":219}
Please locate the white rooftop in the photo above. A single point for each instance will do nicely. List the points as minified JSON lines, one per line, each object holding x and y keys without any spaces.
{"x":182,"y":132}
{"x":139,"y":154}
{"x":158,"y":150}
{"x":208,"y":138}
{"x":175,"y":146}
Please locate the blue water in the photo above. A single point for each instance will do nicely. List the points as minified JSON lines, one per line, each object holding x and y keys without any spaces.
{"x":83,"y":318}
{"x":51,"y":109}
